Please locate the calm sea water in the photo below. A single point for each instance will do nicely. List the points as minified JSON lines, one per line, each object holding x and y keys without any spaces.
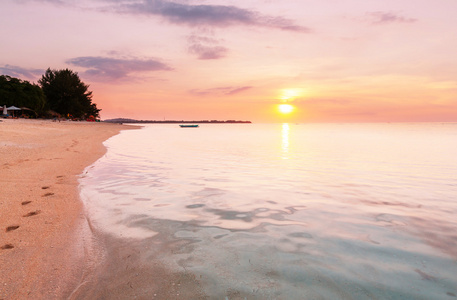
{"x":288,"y":211}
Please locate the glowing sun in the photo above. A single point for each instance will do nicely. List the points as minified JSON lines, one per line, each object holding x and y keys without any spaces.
{"x":285,"y":108}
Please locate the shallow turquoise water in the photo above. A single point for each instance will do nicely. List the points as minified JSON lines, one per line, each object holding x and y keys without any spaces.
{"x":288,"y":211}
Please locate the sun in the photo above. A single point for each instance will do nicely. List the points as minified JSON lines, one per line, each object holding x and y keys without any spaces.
{"x":286,"y":108}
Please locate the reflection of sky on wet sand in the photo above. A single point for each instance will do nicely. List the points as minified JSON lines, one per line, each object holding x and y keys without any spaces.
{"x":354,"y":212}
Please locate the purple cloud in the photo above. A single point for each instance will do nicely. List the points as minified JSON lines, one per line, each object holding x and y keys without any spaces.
{"x":222,"y":91}
{"x":381,"y":17}
{"x":206,"y":47}
{"x":116,"y":68}
{"x":55,"y":2}
{"x":205,"y":52}
{"x":21,"y":73}
{"x":188,"y":14}
{"x":238,"y":90}
{"x":204,"y":14}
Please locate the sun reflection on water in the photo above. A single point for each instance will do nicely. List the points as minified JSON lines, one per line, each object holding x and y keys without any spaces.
{"x":285,"y":143}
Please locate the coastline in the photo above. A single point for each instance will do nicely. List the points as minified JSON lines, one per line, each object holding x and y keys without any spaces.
{"x":45,"y":242}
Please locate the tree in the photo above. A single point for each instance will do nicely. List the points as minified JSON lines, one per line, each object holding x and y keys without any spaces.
{"x":21,"y":93}
{"x":67,"y":94}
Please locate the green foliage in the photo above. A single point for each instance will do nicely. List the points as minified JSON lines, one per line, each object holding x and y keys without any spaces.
{"x":14,"y":91}
{"x":61,"y":91}
{"x":67,"y":94}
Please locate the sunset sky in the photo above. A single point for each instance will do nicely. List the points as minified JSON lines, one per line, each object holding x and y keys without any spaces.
{"x":333,"y":60}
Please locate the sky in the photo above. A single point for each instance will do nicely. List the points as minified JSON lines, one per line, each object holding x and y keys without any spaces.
{"x":332,"y":60}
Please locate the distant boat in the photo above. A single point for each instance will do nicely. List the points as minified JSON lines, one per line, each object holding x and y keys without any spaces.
{"x":189,"y":125}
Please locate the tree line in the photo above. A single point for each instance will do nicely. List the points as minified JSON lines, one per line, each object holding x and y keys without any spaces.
{"x":57,"y":91}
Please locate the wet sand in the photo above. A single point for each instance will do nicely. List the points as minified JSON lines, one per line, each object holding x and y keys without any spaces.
{"x":46,"y":246}
{"x":135,"y":269}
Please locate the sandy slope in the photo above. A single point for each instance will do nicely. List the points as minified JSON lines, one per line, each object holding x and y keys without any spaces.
{"x":42,"y":244}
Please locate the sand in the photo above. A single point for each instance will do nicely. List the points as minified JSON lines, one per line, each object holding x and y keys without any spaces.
{"x":44,"y":247}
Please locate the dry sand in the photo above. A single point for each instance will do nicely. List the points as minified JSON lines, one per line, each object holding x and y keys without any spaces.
{"x":43,"y":251}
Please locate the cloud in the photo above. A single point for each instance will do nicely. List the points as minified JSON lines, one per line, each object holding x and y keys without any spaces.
{"x":203,"y":14}
{"x":21,"y":73}
{"x":55,"y":2}
{"x":184,"y":13}
{"x":238,"y":90}
{"x":206,"y":47}
{"x":221,"y":91}
{"x":382,"y":17}
{"x":116,"y":68}
{"x":205,"y":52}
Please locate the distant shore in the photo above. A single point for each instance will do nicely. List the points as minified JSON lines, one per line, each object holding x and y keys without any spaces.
{"x":133,"y":121}
{"x":43,"y":240}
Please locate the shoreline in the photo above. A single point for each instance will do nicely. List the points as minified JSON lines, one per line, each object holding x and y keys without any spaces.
{"x":45,"y":241}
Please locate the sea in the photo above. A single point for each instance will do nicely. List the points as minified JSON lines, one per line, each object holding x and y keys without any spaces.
{"x":286,"y":211}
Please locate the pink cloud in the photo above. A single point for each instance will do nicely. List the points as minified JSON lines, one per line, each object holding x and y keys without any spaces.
{"x":383,"y":17}
{"x":107,"y":68}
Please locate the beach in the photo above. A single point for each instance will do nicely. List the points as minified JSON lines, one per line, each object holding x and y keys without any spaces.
{"x":45,"y":242}
{"x":264,"y":211}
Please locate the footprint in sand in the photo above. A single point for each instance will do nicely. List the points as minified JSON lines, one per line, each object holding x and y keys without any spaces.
{"x":7,"y":246}
{"x":26,"y":202}
{"x":32,"y":213}
{"x":45,"y":187}
{"x":12,"y":227}
{"x":60,"y":179}
{"x":47,"y":194}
